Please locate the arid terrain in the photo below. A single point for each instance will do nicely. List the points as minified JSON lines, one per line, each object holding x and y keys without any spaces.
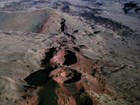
{"x":69,"y":52}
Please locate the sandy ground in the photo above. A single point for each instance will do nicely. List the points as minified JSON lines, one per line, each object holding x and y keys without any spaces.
{"x":114,"y":45}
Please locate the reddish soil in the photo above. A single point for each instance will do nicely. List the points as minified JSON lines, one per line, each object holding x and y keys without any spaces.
{"x":74,"y":74}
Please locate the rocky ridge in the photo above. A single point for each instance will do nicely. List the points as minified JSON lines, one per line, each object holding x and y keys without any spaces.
{"x":69,"y":60}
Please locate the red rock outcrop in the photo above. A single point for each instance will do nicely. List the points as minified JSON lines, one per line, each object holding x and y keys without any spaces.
{"x":50,"y":24}
{"x":76,"y":76}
